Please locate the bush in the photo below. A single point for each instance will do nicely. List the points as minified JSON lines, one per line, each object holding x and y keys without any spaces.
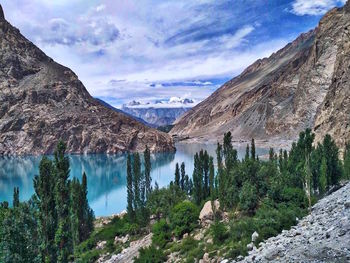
{"x":150,"y":255}
{"x":295,"y":196}
{"x":161,"y":233}
{"x":184,"y":218}
{"x":248,"y":197}
{"x":219,"y":232}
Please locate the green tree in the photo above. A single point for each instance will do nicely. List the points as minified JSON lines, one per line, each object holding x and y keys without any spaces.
{"x":197,"y":180}
{"x":323,"y":177}
{"x":161,"y":233}
{"x":183,"y":218}
{"x":212,"y":178}
{"x":130,"y":189}
{"x":183,"y":175}
{"x":347,"y":161}
{"x":16,"y":197}
{"x":63,"y":237}
{"x":331,"y":153}
{"x":248,"y":197}
{"x":148,"y":167}
{"x":252,"y":151}
{"x":177,"y":175}
{"x":44,"y":186}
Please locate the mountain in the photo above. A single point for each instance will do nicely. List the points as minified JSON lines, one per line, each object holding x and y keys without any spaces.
{"x":160,"y":113}
{"x":123,"y":112}
{"x":305,"y":84}
{"x":42,"y":102}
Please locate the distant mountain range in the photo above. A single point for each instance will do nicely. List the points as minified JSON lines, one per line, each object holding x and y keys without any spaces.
{"x":304,"y":85}
{"x":159,"y":113}
{"x":42,"y":102}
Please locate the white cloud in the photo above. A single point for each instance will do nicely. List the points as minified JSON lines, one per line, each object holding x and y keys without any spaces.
{"x":314,"y":7}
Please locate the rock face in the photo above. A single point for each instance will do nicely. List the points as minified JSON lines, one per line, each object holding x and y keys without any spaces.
{"x":156,"y":116}
{"x":322,"y":236}
{"x":305,"y":84}
{"x":42,"y":102}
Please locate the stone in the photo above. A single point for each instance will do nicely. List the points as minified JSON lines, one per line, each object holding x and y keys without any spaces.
{"x":255,"y":236}
{"x":185,"y":235}
{"x":250,"y":246}
{"x":101,"y":245}
{"x":206,"y":213}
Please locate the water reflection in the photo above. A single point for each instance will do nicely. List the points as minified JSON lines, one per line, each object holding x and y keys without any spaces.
{"x":106,"y":174}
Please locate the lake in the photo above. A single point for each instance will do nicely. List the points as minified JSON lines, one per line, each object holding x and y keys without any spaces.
{"x":106,"y":174}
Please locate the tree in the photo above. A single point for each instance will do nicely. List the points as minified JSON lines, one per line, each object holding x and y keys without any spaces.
{"x":347,"y":161}
{"x":252,"y":151}
{"x":148,"y":167}
{"x":331,"y":153}
{"x":130,"y":189}
{"x":212,"y":178}
{"x":63,"y":238}
{"x":183,"y":175}
{"x":197,"y":180}
{"x":177,"y":175}
{"x":323,"y":176}
{"x":183,"y":218}
{"x":16,"y":197}
{"x":44,"y":185}
{"x":248,"y":197}
{"x":137,"y":181}
{"x":205,"y":163}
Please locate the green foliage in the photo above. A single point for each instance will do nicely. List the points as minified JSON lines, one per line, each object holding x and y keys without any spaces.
{"x":150,"y":255}
{"x":177,"y":175}
{"x":18,"y":234}
{"x":148,"y":167}
{"x":248,"y":198}
{"x":183,"y":218}
{"x":347,"y":161}
{"x":161,"y":233}
{"x":161,"y":201}
{"x":219,"y":232}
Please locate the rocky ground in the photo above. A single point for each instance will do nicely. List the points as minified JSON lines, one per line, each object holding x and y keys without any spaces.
{"x":322,"y":236}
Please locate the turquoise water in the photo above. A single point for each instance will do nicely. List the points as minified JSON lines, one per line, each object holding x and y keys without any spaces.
{"x":106,"y":174}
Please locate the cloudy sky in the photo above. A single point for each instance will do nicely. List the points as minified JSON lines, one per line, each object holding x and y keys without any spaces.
{"x":148,"y":50}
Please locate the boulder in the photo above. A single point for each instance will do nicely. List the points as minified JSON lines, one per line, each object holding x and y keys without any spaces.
{"x":207,"y":213}
{"x":255,"y":236}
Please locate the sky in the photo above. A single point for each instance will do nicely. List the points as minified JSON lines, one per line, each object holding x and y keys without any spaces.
{"x":149,"y":50}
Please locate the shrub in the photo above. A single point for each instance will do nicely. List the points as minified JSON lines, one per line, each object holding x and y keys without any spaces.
{"x":150,"y":255}
{"x":248,"y":197}
{"x":219,"y":232}
{"x":161,"y":233}
{"x":184,"y":218}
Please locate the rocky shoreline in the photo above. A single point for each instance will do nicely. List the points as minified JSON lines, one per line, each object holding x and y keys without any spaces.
{"x":322,"y":236}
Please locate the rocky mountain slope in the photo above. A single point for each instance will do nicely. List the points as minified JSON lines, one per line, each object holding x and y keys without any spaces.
{"x":42,"y":102}
{"x":322,"y":236}
{"x":305,"y":84}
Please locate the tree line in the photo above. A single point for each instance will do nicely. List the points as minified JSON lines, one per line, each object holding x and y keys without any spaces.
{"x":53,"y":222}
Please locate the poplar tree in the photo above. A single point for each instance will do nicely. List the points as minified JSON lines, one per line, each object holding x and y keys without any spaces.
{"x":197,"y":180}
{"x":44,"y":186}
{"x":177,"y":175}
{"x":16,"y":197}
{"x":63,"y":238}
{"x":130,"y":189}
{"x":148,"y":167}
{"x":252,"y":151}
{"x":211,"y":178}
{"x":347,"y":161}
{"x":183,"y":175}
